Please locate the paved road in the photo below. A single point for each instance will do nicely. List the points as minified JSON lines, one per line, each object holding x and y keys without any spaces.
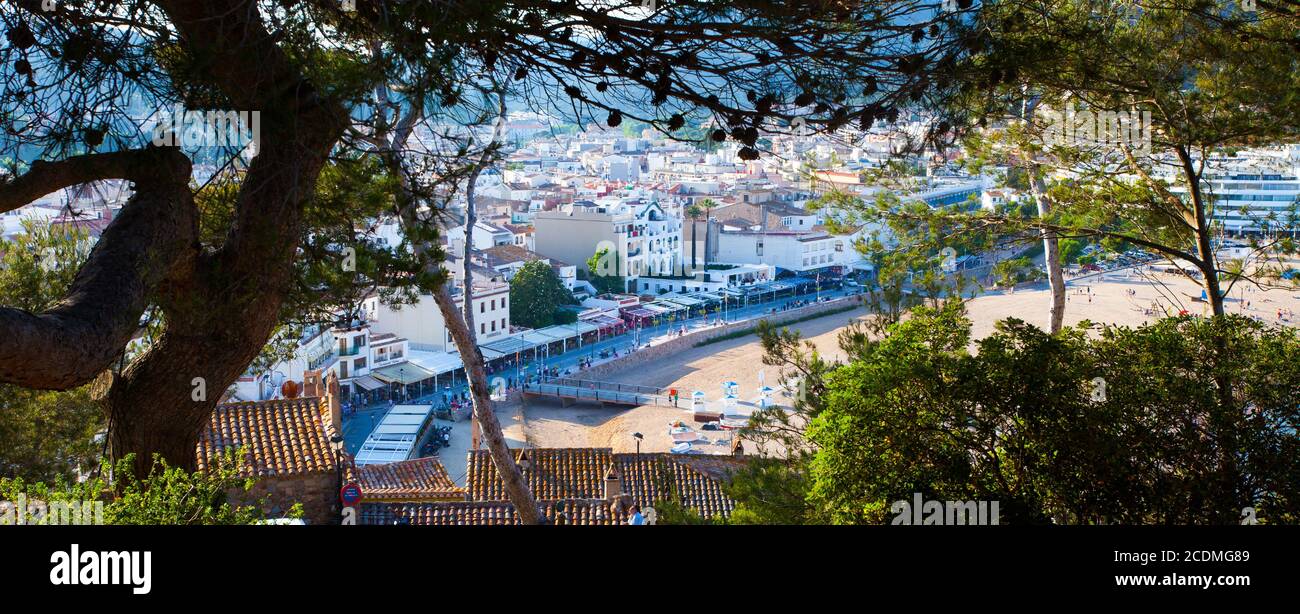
{"x":359,"y":425}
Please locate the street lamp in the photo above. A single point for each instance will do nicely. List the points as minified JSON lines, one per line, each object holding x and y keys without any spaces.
{"x":336,"y":442}
{"x":638,"y":437}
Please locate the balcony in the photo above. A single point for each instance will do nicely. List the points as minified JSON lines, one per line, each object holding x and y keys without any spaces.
{"x":323,"y":362}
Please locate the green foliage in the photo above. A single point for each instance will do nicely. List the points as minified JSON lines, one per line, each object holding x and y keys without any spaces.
{"x":672,"y":512}
{"x":37,"y":266}
{"x":1016,"y":270}
{"x":602,"y":272}
{"x":1183,"y":421}
{"x":536,"y":294}
{"x":167,"y":496}
{"x":565,"y":316}
{"x":770,"y":491}
{"x":1071,"y":250}
{"x":45,"y":434}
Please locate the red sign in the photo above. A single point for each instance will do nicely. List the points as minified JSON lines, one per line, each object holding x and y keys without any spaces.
{"x":350,"y":494}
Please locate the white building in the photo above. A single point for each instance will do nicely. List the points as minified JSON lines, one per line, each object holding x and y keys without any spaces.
{"x":351,"y":353}
{"x":486,"y":235}
{"x":800,"y":252}
{"x":1254,"y":191}
{"x":642,"y":238}
{"x":423,"y":325}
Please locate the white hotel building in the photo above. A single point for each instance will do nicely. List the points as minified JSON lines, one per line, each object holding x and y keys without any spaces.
{"x":646,"y":236}
{"x":1254,"y":191}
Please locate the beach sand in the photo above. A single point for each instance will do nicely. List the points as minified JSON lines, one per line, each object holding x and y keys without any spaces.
{"x":545,"y":423}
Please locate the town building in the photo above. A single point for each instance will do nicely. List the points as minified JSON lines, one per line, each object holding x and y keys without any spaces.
{"x":642,"y":238}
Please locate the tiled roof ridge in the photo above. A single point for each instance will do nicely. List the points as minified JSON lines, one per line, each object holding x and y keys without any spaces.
{"x":279,"y":437}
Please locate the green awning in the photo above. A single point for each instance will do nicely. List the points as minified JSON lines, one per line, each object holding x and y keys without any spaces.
{"x":405,"y":373}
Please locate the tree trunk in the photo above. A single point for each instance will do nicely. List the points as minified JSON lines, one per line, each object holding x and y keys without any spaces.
{"x":1051,"y":253}
{"x":1051,"y":245}
{"x":461,"y":323}
{"x":1208,"y":262}
{"x":220,"y":312}
{"x":489,"y":425}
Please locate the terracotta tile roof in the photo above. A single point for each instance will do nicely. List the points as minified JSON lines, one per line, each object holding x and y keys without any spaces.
{"x":694,"y":480}
{"x":579,"y":473}
{"x":581,"y":512}
{"x":555,"y":473}
{"x":281,"y":437}
{"x":420,"y":479}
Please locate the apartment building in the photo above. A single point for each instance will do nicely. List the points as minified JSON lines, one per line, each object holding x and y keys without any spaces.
{"x":425,"y":328}
{"x":644,"y":238}
{"x":1253,"y":191}
{"x":800,"y":252}
{"x":351,"y":353}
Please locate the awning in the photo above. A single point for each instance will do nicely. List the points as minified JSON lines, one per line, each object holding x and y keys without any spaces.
{"x":604,"y":321}
{"x":436,"y":362}
{"x":541,"y":337}
{"x":638,"y":312}
{"x":368,"y":383}
{"x":509,"y":345}
{"x":405,"y":373}
{"x":679,"y":299}
{"x":668,"y":307}
{"x":583,"y":328}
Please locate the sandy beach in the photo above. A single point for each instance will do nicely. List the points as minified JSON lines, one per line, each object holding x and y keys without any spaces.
{"x":1126,"y":297}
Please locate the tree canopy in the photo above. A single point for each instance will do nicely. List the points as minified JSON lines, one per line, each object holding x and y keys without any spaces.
{"x":536,"y":295}
{"x":220,"y":234}
{"x":1092,"y":425}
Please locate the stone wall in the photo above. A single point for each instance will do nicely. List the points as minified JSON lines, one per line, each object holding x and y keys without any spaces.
{"x":317,"y":492}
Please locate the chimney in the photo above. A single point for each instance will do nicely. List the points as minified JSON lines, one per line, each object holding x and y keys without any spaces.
{"x":613,"y":484}
{"x":332,"y":399}
{"x":311,"y":384}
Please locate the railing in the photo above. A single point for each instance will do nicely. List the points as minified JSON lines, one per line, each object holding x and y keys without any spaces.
{"x":600,"y":391}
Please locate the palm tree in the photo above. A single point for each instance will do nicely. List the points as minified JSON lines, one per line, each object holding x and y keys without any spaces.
{"x":708,"y":206}
{"x":693,"y":212}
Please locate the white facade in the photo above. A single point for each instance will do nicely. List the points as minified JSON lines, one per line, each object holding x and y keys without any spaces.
{"x":423,"y":325}
{"x":1254,"y":191}
{"x":644,"y":238}
{"x":348,"y":353}
{"x":792,"y":251}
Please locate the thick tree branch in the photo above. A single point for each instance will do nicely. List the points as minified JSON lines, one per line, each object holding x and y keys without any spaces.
{"x":79,"y":337}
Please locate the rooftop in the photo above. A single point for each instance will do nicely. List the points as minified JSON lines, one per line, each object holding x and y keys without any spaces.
{"x":420,"y":479}
{"x":579,"y":473}
{"x":281,"y":437}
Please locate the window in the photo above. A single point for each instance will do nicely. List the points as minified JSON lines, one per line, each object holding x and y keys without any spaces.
{"x":494,"y":326}
{"x":503,"y":323}
{"x":482,"y":328}
{"x":494,"y":304}
{"x":482,"y":307}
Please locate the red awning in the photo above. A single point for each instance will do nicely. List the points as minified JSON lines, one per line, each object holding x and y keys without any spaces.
{"x":637,"y":312}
